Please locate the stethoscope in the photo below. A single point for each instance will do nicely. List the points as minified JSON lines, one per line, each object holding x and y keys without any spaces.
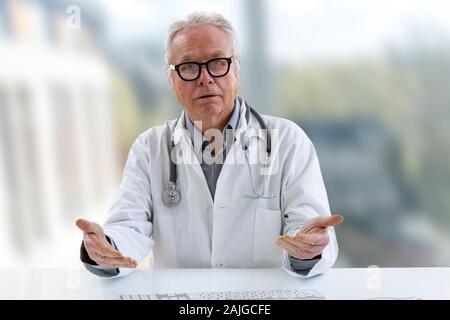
{"x":172,"y":196}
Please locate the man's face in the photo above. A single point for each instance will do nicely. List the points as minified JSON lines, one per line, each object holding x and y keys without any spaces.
{"x":207,"y":96}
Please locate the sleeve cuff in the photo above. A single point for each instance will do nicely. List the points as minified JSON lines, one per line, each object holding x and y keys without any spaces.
{"x":303,"y":266}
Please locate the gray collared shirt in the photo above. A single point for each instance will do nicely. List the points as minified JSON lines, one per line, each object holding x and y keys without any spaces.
{"x":211,"y":161}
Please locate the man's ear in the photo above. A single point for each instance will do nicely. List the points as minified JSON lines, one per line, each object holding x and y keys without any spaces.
{"x":169,"y":78}
{"x":237,"y":70}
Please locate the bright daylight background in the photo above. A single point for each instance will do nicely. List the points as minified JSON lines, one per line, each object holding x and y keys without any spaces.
{"x":367,"y":80}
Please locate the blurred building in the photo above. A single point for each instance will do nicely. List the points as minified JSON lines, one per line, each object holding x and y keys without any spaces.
{"x":64,"y":77}
{"x":57,"y":151}
{"x":361,"y":166}
{"x":256,"y":68}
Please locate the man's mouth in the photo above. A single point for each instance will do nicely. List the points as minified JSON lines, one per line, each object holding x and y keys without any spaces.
{"x":207,"y":96}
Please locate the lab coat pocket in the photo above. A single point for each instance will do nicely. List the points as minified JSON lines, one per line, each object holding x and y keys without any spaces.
{"x":266,"y":230}
{"x":164,"y":248}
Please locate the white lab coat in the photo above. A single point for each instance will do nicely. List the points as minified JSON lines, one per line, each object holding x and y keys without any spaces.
{"x":233,"y":231}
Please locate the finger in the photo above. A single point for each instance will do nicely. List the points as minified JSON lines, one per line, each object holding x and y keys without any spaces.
{"x":302,"y":255}
{"x":119,"y":262}
{"x":315,"y":239}
{"x":286,"y":246}
{"x":124,"y":262}
{"x":297,"y":243}
{"x":86,"y":226}
{"x":318,"y":237}
{"x":333,"y":220}
{"x":110,"y":253}
{"x":101,"y":247}
{"x":294,"y":250}
{"x":305,"y":246}
{"x":322,"y":222}
{"x":108,"y":261}
{"x":95,"y":250}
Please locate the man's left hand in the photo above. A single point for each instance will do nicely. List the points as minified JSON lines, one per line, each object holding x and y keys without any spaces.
{"x":310,"y":241}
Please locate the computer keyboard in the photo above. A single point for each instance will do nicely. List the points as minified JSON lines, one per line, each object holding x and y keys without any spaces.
{"x":283,"y":294}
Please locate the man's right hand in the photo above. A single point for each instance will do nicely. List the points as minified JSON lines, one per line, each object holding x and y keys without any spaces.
{"x":99,"y":249}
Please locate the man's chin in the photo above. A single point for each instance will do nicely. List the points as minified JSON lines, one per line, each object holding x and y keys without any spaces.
{"x":208,"y":107}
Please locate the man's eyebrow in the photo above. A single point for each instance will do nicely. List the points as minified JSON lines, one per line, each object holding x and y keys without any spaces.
{"x":186,"y":58}
{"x":218,"y":54}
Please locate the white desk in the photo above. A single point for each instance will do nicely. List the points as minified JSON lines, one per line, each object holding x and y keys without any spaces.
{"x":424,"y":283}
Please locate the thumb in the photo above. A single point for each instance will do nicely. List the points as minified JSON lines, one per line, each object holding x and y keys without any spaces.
{"x":323,"y":222}
{"x":86,"y":226}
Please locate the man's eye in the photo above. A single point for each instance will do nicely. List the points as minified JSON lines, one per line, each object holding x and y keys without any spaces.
{"x":216,"y":63}
{"x":188,"y":67}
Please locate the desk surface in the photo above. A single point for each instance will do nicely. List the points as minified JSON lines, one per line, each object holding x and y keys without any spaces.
{"x":339,"y":283}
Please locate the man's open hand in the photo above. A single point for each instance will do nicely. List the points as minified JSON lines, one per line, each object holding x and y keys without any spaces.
{"x":99,"y":249}
{"x":310,"y":241}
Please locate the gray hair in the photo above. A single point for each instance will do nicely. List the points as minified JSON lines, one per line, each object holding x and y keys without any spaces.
{"x":200,"y":17}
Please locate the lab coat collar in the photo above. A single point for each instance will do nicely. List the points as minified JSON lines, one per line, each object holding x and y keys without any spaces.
{"x":198,"y":139}
{"x":180,"y":133}
{"x":252,"y":128}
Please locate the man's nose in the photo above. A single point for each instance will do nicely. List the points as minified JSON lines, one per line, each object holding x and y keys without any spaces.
{"x":205,"y":77}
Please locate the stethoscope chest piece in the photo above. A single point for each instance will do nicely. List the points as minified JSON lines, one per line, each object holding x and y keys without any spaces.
{"x":171,"y":196}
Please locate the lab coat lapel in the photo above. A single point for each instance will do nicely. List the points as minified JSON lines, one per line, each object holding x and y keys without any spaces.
{"x":190,"y":162}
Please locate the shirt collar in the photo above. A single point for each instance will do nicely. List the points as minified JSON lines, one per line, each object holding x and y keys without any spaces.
{"x":195,"y":134}
{"x":232,"y":123}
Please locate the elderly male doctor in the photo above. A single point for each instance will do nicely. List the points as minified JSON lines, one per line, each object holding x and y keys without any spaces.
{"x":195,"y":196}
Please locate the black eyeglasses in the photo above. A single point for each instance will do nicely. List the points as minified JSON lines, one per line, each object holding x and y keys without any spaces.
{"x":190,"y":71}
